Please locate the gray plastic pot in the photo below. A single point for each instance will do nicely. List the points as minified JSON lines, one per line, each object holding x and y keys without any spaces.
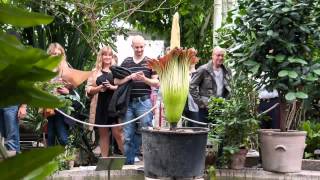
{"x":282,"y":151}
{"x":178,"y":154}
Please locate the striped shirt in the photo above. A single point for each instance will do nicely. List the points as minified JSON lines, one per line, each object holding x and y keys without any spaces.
{"x":139,"y":88}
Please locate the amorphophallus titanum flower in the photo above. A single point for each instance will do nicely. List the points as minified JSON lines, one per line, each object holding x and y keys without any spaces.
{"x":173,"y":71}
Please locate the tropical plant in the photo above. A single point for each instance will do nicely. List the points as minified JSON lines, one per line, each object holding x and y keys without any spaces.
{"x":80,"y":26}
{"x":20,"y":68}
{"x":277,"y":43}
{"x":313,"y":137}
{"x":236,"y":119}
{"x":154,"y":18}
{"x":173,"y":71}
{"x":35,"y":119}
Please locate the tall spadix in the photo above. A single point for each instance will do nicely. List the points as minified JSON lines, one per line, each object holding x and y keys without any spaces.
{"x":175,"y":32}
{"x":173,"y":72}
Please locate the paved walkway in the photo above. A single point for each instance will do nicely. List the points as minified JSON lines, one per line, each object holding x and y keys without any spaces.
{"x":88,"y":172}
{"x":252,"y":174}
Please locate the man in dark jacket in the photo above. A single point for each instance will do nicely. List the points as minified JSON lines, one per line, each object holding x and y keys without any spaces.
{"x":211,"y":79}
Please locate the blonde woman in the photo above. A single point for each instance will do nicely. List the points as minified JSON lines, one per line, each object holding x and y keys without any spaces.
{"x":56,"y":123}
{"x":55,"y":49}
{"x":100,"y":87}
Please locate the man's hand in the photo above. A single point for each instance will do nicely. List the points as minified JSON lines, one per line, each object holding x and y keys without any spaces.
{"x":134,"y":76}
{"x":140,"y":76}
{"x":22,"y":112}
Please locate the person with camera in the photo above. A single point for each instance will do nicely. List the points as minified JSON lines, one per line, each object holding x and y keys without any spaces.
{"x":100,"y":87}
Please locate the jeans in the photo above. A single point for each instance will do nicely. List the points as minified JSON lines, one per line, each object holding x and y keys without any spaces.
{"x":57,"y":127}
{"x":132,"y":138}
{"x":9,"y":127}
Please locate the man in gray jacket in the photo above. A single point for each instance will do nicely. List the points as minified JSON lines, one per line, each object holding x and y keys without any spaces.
{"x":211,"y":79}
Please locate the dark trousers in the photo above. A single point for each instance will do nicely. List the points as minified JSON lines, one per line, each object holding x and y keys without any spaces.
{"x":272,"y":120}
{"x":57,"y":128}
{"x":202,"y":116}
{"x":191,"y":115}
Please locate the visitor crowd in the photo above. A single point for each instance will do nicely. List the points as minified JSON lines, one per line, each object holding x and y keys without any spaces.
{"x":136,"y":89}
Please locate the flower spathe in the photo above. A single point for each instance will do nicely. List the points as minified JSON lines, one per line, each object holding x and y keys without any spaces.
{"x":173,"y":71}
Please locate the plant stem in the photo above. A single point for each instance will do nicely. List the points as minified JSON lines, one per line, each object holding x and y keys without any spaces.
{"x":173,"y":126}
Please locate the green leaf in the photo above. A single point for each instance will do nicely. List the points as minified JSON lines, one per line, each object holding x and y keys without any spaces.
{"x":255,"y":69}
{"x":250,"y":63}
{"x":317,"y":71}
{"x":293,"y":74}
{"x":283,"y":73}
{"x":269,"y":56}
{"x":283,"y":86}
{"x":49,"y":63}
{"x":238,"y":54}
{"x":44,"y":171}
{"x":21,"y":165}
{"x":301,"y":95}
{"x":280,"y":57}
{"x":292,"y":59}
{"x":26,"y":73}
{"x":21,"y":18}
{"x":290,"y":96}
{"x":310,"y":77}
{"x":285,"y":9}
{"x":305,"y":29}
{"x":11,"y":51}
{"x":24,"y":92}
{"x":286,"y":21}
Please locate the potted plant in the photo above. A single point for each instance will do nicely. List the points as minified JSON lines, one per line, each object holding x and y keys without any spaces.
{"x":277,"y":43}
{"x":67,"y":159}
{"x":236,"y":122}
{"x":174,"y":152}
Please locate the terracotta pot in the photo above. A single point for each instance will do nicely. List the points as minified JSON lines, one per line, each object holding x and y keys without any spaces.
{"x":282,"y":151}
{"x":238,"y":159}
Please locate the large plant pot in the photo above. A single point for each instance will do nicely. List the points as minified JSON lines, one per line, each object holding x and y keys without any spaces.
{"x":178,"y":154}
{"x":282,"y":151}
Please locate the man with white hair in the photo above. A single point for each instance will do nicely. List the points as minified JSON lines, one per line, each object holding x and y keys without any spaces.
{"x":211,"y":79}
{"x":143,"y":78}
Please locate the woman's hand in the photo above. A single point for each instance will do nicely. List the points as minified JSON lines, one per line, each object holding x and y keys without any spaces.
{"x":107,"y":85}
{"x":63,"y":90}
{"x":102,"y":88}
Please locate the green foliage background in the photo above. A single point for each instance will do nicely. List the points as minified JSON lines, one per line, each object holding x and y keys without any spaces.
{"x":155,"y":18}
{"x":277,"y":42}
